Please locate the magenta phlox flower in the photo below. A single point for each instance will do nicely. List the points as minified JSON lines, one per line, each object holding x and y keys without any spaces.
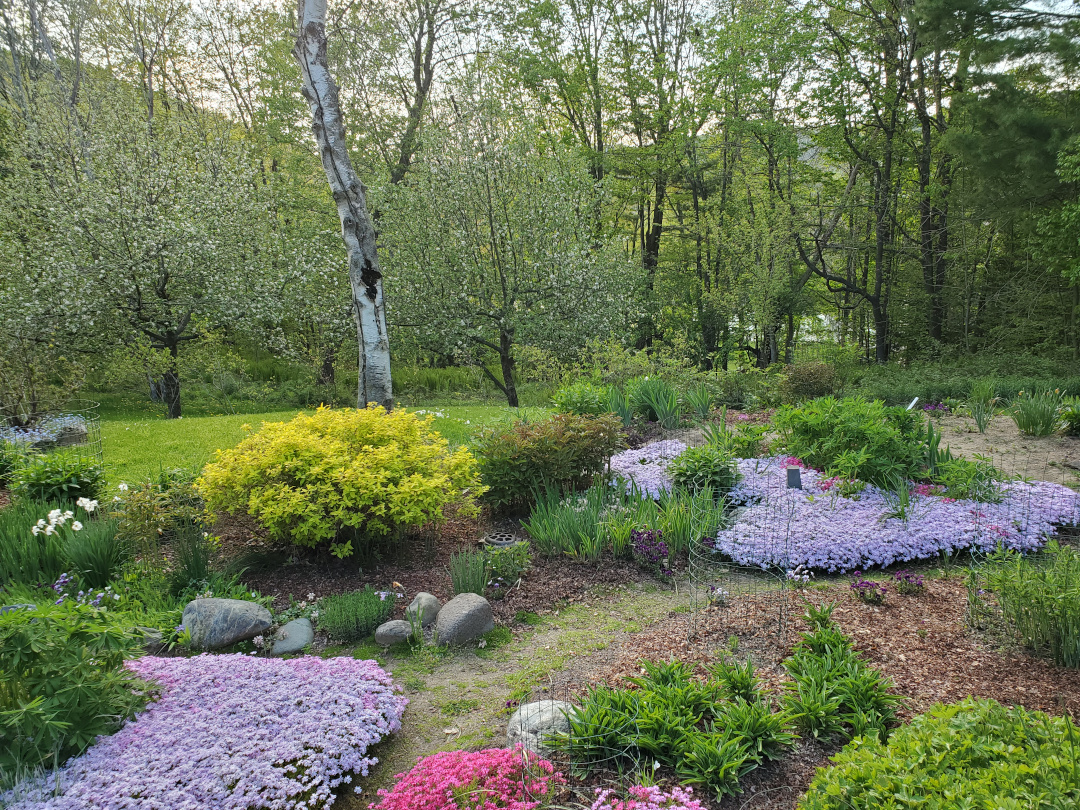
{"x":821,"y":528}
{"x":231,"y":732}
{"x":492,"y":779}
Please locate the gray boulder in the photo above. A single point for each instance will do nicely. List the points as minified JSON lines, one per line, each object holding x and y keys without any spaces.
{"x":13,"y":608}
{"x":393,"y":632}
{"x":215,"y":623}
{"x":293,"y":637}
{"x":465,"y":617}
{"x":533,"y":723}
{"x":424,"y":605}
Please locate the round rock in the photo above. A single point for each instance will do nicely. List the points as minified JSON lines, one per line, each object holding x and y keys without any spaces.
{"x":533,"y":723}
{"x":425,"y":606}
{"x":215,"y":623}
{"x":465,"y":617}
{"x":293,"y":637}
{"x":393,"y":632}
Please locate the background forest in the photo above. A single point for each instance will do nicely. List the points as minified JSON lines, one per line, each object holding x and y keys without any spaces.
{"x":723,"y":184}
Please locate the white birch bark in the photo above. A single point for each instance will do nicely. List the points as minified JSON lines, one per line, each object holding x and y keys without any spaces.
{"x":357,"y":230}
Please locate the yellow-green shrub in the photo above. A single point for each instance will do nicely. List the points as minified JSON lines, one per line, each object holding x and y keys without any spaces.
{"x":336,"y":474}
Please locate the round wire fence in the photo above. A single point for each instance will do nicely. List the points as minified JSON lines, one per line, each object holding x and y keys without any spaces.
{"x":74,"y":430}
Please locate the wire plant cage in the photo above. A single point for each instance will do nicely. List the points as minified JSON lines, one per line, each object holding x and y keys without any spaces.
{"x":74,"y":429}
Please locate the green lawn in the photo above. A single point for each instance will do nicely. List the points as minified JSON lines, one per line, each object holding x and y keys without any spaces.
{"x":136,"y":448}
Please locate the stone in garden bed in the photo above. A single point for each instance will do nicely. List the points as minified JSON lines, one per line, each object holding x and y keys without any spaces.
{"x":426,"y":606}
{"x":393,"y":632}
{"x":533,"y":723}
{"x":465,"y":617}
{"x":215,"y":623}
{"x":293,"y":637}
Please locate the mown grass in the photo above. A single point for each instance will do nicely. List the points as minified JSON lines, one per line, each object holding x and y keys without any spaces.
{"x":135,"y":448}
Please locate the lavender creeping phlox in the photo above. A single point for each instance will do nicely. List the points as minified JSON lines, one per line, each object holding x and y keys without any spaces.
{"x":232,"y":732}
{"x":820,"y":528}
{"x":646,"y":467}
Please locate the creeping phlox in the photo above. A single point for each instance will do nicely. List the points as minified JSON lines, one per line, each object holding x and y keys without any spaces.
{"x":646,"y":467}
{"x":503,"y":778}
{"x":232,"y":732}
{"x":821,"y":527}
{"x":647,"y":798}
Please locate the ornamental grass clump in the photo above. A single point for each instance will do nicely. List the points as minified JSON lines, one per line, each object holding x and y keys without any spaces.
{"x":492,"y":779}
{"x":232,"y":731}
{"x":1040,"y":600}
{"x":1037,"y":413}
{"x":341,"y":477}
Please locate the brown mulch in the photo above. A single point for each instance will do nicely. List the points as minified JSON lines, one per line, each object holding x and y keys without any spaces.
{"x":5,"y":498}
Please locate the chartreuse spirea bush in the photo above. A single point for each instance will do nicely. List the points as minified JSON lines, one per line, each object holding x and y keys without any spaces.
{"x":338,"y":476}
{"x":62,"y":683}
{"x":976,"y":753}
{"x":565,"y":452}
{"x":232,"y":731}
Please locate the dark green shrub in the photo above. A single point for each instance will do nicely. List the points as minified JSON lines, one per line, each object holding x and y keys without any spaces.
{"x":976,"y":753}
{"x":60,"y":477}
{"x":564,"y":452}
{"x":808,"y":381}
{"x":582,"y":397}
{"x":96,"y":553}
{"x":704,"y":469}
{"x":354,"y":616}
{"x":26,"y":558}
{"x":62,"y":683}
{"x":855,"y":438}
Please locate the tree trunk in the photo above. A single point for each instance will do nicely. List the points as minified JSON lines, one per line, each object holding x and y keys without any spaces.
{"x":357,"y":230}
{"x":326,"y":370}
{"x":170,"y":385}
{"x":506,"y":360}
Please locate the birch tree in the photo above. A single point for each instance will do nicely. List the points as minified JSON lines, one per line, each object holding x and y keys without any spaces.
{"x":358,"y":232}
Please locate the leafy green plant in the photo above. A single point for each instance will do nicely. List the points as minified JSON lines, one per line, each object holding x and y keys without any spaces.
{"x":685,"y":518}
{"x":602,"y":728}
{"x":704,"y":469}
{"x":565,"y":452}
{"x":745,"y":441}
{"x":982,"y":403}
{"x":646,"y":392}
{"x":96,"y":553}
{"x":970,"y":480}
{"x":468,"y":572}
{"x":27,"y":558}
{"x":976,"y":753}
{"x":664,"y":403}
{"x":12,"y":456}
{"x":715,"y":762}
{"x":354,"y":616}
{"x":739,"y":682}
{"x":507,"y":563}
{"x":63,"y":476}
{"x":342,"y":477}
{"x":1070,"y":415}
{"x":62,"y":683}
{"x":582,"y":397}
{"x":1037,"y":413}
{"x":1040,"y":601}
{"x":700,"y":401}
{"x":599,"y":516}
{"x":156,"y":511}
{"x":766,"y":733}
{"x":619,"y":404}
{"x":854,"y":438}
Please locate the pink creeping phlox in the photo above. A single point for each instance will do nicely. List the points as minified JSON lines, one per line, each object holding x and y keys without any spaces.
{"x":648,"y":798}
{"x":234,"y":733}
{"x":492,"y":779}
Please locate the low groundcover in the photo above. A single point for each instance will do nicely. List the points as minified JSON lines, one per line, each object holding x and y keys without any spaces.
{"x":232,"y":732}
